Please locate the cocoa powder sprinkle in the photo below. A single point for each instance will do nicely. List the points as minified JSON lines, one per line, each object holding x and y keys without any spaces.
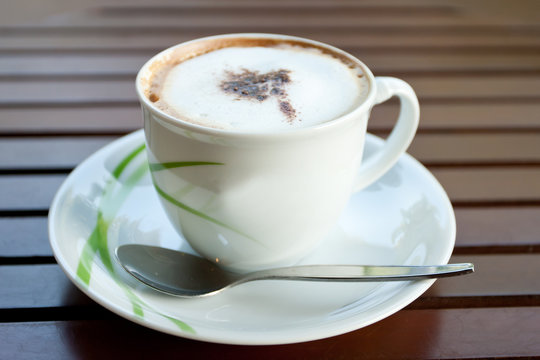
{"x":287,"y":109}
{"x":252,"y":85}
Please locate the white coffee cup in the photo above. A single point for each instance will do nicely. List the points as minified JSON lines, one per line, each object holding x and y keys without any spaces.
{"x":256,"y":200}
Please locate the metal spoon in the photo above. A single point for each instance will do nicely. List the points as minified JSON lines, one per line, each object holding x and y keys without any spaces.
{"x":185,"y":275}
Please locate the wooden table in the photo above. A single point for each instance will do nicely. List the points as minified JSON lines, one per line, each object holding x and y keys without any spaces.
{"x":476,"y":69}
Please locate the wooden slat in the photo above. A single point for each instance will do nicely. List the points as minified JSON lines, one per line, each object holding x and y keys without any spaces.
{"x":225,"y":14}
{"x":225,"y":17}
{"x":38,"y":286}
{"x":463,"y":185}
{"x":28,"y":192}
{"x":99,"y":64}
{"x":472,"y":185}
{"x":476,"y":148}
{"x":172,"y":8}
{"x":381,"y":10}
{"x":495,"y":276}
{"x":87,"y":91}
{"x":122,"y":119}
{"x":457,"y":61}
{"x":154,"y":40}
{"x":433,"y":334}
{"x":123,"y":91}
{"x":137,"y":7}
{"x":487,"y":228}
{"x":47,"y":153}
{"x":280,"y":14}
{"x":478,"y":87}
{"x":430,"y":149}
{"x":72,"y":64}
{"x":24,"y":237}
{"x":471,"y":115}
{"x":232,"y":18}
{"x":479,"y":230}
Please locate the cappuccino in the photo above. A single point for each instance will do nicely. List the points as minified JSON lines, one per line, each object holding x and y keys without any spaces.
{"x":257,"y":85}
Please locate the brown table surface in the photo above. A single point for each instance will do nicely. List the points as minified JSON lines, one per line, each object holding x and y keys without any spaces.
{"x":66,"y":89}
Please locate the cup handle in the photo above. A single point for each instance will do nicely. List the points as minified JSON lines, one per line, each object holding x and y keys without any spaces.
{"x":401,"y":136}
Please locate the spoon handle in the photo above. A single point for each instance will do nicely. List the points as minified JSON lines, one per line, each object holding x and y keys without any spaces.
{"x":352,"y":273}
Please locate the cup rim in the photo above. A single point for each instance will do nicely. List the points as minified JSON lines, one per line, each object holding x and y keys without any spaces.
{"x":363,"y":107}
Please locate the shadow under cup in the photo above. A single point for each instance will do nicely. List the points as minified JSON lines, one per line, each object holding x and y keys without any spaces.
{"x":249,"y":200}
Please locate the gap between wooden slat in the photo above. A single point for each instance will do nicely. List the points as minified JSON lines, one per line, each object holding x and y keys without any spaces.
{"x":26,"y":260}
{"x":24,"y":212}
{"x":62,"y":313}
{"x":433,"y":166}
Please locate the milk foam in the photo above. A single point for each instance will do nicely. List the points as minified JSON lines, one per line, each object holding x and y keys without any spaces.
{"x":313,"y":88}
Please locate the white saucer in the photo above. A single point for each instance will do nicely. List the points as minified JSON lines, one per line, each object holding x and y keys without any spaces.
{"x":404,"y":218}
